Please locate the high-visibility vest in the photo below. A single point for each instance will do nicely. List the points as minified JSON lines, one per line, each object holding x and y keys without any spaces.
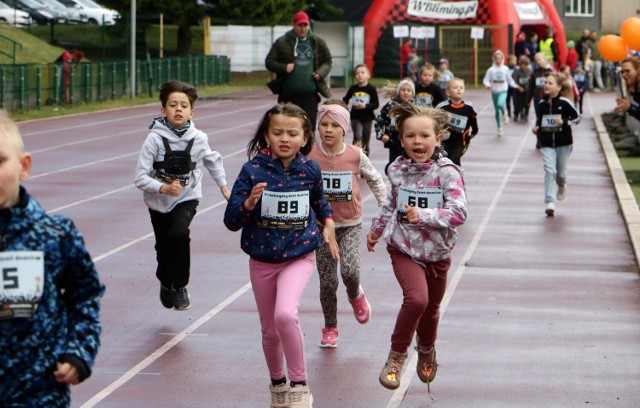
{"x":545,"y":49}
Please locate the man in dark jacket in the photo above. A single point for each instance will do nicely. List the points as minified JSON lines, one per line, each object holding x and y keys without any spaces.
{"x":301,"y":62}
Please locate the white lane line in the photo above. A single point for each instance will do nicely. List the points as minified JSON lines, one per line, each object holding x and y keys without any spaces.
{"x":408,"y":373}
{"x":161,"y":351}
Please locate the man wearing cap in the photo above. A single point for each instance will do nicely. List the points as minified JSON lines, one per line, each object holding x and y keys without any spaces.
{"x":301,"y":62}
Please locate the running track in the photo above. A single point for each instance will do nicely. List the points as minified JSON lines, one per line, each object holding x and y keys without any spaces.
{"x":540,"y":312}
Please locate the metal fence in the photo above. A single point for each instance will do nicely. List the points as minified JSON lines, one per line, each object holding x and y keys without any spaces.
{"x":25,"y":87}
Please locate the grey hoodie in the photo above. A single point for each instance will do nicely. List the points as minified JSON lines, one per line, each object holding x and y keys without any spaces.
{"x":153,"y":150}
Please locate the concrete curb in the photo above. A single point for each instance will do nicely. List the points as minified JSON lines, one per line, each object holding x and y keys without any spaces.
{"x":626,"y":199}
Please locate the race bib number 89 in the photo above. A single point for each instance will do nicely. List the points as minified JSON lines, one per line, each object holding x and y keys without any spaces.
{"x":285,"y":210}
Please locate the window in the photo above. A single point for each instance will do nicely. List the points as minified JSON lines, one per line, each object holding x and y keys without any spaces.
{"x":579,"y":8}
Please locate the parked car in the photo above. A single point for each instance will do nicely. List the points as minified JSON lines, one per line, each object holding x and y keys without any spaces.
{"x":73,"y":15}
{"x":13,"y":16}
{"x":95,"y":12}
{"x":38,"y":11}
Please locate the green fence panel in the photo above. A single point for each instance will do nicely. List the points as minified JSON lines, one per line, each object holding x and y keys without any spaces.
{"x":24,"y":87}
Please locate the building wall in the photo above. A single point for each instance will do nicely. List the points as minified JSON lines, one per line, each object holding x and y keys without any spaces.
{"x":613,"y":17}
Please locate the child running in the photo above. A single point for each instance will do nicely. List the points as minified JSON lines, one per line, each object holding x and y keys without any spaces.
{"x":536,"y":84}
{"x":498,"y":80}
{"x":341,"y":164}
{"x":276,"y":200}
{"x":427,"y":92}
{"x":50,"y":291}
{"x":553,"y":127}
{"x":445,"y":74}
{"x":386,"y":130}
{"x":418,"y":222}
{"x":463,"y":121}
{"x":172,"y":186}
{"x":364,"y":101}
{"x":521,"y":78}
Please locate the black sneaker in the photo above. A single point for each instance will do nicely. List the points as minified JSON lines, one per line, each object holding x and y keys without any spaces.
{"x":166,"y":296}
{"x":181,"y":299}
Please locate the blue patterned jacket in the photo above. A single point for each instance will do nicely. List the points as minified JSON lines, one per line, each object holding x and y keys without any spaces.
{"x":65,"y":326}
{"x":276,"y":245}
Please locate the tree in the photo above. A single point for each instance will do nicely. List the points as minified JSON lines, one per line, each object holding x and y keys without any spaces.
{"x":186,"y":14}
{"x":183,"y":14}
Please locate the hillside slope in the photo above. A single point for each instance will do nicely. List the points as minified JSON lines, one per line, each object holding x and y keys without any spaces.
{"x":29,"y":49}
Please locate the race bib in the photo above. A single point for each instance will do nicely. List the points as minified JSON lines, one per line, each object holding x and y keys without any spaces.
{"x":21,"y":283}
{"x":337,"y":185}
{"x":548,"y":123}
{"x":458,"y":123}
{"x":429,"y":197}
{"x":523,"y":81}
{"x":579,"y":77}
{"x":540,"y":81}
{"x":424,"y":99}
{"x":285,"y":210}
{"x":498,"y":76}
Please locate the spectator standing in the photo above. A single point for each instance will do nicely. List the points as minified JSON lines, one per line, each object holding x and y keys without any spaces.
{"x":405,"y":58}
{"x":580,"y":44}
{"x":548,"y":47}
{"x":572,"y":55}
{"x":630,"y":70}
{"x":301,"y":61}
{"x":595,"y":74}
{"x":522,"y":46}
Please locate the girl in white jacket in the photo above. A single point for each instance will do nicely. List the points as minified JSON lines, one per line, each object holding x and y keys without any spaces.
{"x":498,"y":80}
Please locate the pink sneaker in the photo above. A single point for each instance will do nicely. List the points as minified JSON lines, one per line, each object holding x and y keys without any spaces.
{"x":329,"y":337}
{"x":361,"y":308}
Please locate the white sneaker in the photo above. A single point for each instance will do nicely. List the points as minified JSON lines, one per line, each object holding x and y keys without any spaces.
{"x":562,"y":193}
{"x":300,"y":397}
{"x":279,"y":395}
{"x":500,"y":131}
{"x":550,"y":209}
{"x":506,"y":118}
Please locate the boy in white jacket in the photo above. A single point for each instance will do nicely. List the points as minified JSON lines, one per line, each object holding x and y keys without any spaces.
{"x":167,"y":174}
{"x":498,"y":80}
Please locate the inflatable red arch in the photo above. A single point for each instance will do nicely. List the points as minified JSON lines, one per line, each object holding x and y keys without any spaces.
{"x":535,"y":15}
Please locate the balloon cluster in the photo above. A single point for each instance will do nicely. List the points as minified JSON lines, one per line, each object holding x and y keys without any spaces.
{"x":614,"y":48}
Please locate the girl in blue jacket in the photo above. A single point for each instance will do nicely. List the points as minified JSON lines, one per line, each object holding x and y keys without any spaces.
{"x":276,"y":201}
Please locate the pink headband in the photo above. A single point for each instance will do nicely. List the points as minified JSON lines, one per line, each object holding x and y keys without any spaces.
{"x":337,"y":113}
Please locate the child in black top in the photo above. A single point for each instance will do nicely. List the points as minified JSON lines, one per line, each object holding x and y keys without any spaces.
{"x":428,"y":93}
{"x":386,"y":130}
{"x":364,"y":98}
{"x":521,"y":77}
{"x":553,"y":127}
{"x":463,"y":122}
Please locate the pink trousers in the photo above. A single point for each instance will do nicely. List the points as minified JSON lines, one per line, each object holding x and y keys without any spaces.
{"x":277,"y":289}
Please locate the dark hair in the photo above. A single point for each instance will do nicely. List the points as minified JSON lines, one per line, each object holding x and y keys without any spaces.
{"x":172,"y":86}
{"x":360,"y":66}
{"x":404,"y":111}
{"x":259,"y":142}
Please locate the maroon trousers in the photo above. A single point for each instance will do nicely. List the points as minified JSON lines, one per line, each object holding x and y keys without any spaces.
{"x":423,"y":289}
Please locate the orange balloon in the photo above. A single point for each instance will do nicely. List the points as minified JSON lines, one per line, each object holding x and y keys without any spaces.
{"x":630,"y":32}
{"x":612,"y":48}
